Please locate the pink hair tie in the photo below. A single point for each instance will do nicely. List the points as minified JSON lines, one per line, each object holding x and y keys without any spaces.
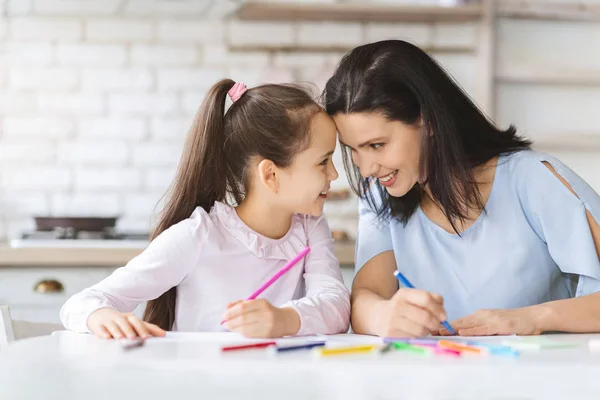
{"x":237,"y":91}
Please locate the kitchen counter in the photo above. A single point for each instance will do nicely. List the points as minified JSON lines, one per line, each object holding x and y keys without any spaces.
{"x":103,"y":257}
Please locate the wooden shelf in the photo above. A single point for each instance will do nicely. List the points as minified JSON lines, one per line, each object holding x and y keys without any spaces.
{"x":104,"y":257}
{"x":542,"y":10}
{"x":548,"y":76}
{"x":580,"y":142}
{"x":299,"y":48}
{"x":264,"y":11}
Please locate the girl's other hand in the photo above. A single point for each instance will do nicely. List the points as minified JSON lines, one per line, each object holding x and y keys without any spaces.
{"x":109,"y":323}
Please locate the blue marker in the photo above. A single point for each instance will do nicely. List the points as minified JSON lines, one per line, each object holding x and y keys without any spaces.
{"x":306,"y":346}
{"x":409,"y":285}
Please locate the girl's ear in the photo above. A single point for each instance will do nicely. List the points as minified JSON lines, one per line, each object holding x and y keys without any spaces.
{"x":268,"y":174}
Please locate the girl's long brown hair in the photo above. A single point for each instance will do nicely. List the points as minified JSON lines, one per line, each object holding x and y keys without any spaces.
{"x":269,"y":121}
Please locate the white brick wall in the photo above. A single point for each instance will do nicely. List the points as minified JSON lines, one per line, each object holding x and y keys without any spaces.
{"x":76,"y":8}
{"x":90,"y":55}
{"x":36,"y":178}
{"x":85,"y":204}
{"x":25,"y":204}
{"x":188,"y":78}
{"x":253,"y":33}
{"x":146,"y":55}
{"x":42,"y":79}
{"x":330,"y":34}
{"x":177,"y":31}
{"x":142,"y":104}
{"x":156,"y":154}
{"x":40,"y":127}
{"x":96,"y":96}
{"x":170,"y":128}
{"x":133,"y":129}
{"x":118,"y":30}
{"x":26,"y":28}
{"x":30,"y":152}
{"x":113,"y":79}
{"x":17,"y":54}
{"x":98,"y":153}
{"x":103,"y":179}
{"x":71,"y":103}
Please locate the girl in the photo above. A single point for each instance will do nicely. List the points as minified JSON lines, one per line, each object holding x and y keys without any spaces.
{"x":508,"y":236}
{"x":271,"y":154}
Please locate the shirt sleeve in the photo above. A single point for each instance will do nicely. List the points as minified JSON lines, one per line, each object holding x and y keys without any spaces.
{"x":163,"y":264}
{"x":559,"y":218}
{"x":326,"y":307}
{"x":373,"y":236}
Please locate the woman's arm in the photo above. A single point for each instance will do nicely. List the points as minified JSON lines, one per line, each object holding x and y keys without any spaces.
{"x":379,"y":308}
{"x":373,"y":285}
{"x":576,"y":315}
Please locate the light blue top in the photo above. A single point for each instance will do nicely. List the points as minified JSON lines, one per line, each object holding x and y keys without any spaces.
{"x":533,"y":244}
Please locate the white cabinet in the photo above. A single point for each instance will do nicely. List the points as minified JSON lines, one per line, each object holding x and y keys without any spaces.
{"x":37,"y":294}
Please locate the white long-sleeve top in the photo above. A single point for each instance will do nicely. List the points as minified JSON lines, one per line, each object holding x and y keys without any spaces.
{"x":213,"y":259}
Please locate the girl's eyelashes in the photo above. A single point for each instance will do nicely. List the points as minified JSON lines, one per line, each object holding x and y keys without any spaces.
{"x":324,"y":162}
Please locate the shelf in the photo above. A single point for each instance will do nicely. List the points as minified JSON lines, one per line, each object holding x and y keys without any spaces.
{"x":548,"y":76}
{"x":299,"y":48}
{"x":264,"y":11}
{"x":580,"y":142}
{"x":542,"y":10}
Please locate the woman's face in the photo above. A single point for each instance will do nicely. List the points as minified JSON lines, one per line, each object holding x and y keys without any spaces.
{"x":383,"y":149}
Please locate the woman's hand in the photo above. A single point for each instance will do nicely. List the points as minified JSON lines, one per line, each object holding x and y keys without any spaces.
{"x":109,"y":323}
{"x":259,"y":319}
{"x":411,"y":313}
{"x":519,"y":321}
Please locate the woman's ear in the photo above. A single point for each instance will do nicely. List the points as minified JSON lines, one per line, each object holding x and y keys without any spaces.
{"x":269,"y":175}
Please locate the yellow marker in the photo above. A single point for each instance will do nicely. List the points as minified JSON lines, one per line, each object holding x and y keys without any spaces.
{"x":347,"y":350}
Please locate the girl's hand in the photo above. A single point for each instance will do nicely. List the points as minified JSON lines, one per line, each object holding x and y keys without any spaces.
{"x":519,"y":321}
{"x":109,"y":323}
{"x":411,"y":313}
{"x":259,"y":319}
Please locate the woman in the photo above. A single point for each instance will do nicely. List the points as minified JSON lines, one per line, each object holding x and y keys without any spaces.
{"x":497,"y":238}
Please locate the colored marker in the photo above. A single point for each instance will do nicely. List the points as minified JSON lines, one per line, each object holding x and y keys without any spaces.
{"x":431,"y":344}
{"x":464,"y":348}
{"x":346,"y":350}
{"x":409,"y":285}
{"x":249,"y":346}
{"x":278,"y":275}
{"x":306,"y":346}
{"x":386,"y":348}
{"x":496,"y":349}
{"x":410,"y":348}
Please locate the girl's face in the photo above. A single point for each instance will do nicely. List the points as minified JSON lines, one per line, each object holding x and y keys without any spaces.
{"x":304,"y":184}
{"x":383,"y":149}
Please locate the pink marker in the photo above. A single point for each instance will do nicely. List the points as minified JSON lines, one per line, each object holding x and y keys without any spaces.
{"x":278,"y":275}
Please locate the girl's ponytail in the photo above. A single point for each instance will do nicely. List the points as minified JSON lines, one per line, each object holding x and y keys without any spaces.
{"x":200,"y":181}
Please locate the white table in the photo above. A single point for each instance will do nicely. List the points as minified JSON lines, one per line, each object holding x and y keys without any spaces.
{"x":73,"y":366}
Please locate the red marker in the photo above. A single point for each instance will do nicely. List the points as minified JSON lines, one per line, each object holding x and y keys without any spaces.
{"x":249,"y":346}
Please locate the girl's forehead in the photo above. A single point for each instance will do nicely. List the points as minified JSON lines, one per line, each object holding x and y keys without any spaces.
{"x":322,"y":132}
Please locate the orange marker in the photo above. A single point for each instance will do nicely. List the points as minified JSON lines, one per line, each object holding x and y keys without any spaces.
{"x":448,"y":344}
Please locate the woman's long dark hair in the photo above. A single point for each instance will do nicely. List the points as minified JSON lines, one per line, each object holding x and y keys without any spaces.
{"x":269,"y":121}
{"x":403,"y":83}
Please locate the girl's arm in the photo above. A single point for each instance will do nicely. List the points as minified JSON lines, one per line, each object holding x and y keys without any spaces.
{"x":326,"y":307}
{"x":164,"y":264}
